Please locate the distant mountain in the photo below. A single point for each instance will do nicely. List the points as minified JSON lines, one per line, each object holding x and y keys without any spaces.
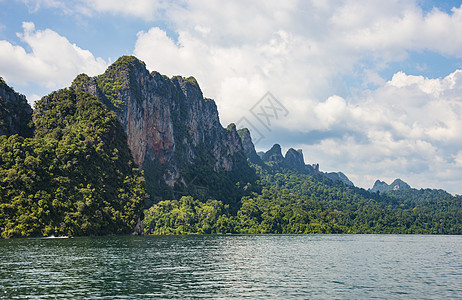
{"x":293,"y":160}
{"x":402,"y":191}
{"x":382,"y":186}
{"x":15,"y":112}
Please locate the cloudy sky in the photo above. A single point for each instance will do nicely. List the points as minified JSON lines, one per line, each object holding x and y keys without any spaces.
{"x":370,"y":88}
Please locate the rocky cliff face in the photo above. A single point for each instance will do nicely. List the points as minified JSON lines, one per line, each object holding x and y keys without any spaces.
{"x":15,"y":112}
{"x":169,"y":124}
{"x":294,"y":160}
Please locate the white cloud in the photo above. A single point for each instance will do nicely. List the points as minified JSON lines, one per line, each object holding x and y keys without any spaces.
{"x":295,"y":49}
{"x":408,"y":127}
{"x":148,"y":10}
{"x":333,"y":110}
{"x":301,"y":51}
{"x":458,"y":159}
{"x":52,"y":62}
{"x":145,"y":9}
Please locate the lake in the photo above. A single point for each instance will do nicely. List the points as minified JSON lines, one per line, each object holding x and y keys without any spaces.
{"x":233,"y":266}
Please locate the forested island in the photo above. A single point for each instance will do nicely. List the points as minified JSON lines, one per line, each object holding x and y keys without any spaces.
{"x":131,"y":151}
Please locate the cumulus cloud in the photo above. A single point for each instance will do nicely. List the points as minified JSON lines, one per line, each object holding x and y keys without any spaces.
{"x":410,"y":126}
{"x":306,"y":53}
{"x":299,"y":50}
{"x":52,"y":61}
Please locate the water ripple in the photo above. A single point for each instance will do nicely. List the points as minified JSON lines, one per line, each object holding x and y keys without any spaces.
{"x":223,"y":267}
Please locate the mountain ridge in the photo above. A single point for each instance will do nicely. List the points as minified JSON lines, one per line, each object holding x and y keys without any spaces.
{"x":89,"y":140}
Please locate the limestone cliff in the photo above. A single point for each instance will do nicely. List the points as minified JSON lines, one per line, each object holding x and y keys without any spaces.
{"x":294,"y":160}
{"x":171,"y":127}
{"x":248,"y":146}
{"x":15,"y":112}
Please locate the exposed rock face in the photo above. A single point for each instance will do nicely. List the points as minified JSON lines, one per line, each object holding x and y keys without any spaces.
{"x":294,"y":160}
{"x":248,"y":146}
{"x":15,"y":112}
{"x":273,"y":155}
{"x":398,"y":184}
{"x":379,"y":186}
{"x":382,"y":186}
{"x":169,"y":124}
{"x":315,"y":168}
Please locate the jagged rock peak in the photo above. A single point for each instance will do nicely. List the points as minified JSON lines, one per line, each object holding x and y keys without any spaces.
{"x":15,"y":112}
{"x":398,"y":184}
{"x":294,"y":159}
{"x":382,"y":186}
{"x":248,"y":146}
{"x":274,"y":154}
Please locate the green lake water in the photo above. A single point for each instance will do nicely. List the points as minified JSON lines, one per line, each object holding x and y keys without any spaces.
{"x":233,"y":266}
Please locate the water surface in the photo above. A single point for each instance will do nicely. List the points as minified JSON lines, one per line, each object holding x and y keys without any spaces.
{"x":259,"y":266}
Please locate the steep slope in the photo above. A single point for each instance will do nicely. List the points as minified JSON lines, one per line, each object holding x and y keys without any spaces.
{"x":248,"y":146}
{"x":172,"y":130}
{"x":338,"y":176}
{"x":294,"y":160}
{"x":15,"y":112}
{"x":75,"y":177}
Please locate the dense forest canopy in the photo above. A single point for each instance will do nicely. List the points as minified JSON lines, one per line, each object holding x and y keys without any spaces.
{"x":67,"y":169}
{"x":291,"y":202}
{"x":74,"y":177}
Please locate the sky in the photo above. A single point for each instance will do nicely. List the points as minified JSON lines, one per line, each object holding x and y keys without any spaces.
{"x":369,"y":88}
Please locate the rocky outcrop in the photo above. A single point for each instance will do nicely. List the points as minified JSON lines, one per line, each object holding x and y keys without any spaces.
{"x":382,"y":186}
{"x":248,"y":146}
{"x":15,"y":112}
{"x":273,"y":155}
{"x":294,"y":160}
{"x":169,"y":124}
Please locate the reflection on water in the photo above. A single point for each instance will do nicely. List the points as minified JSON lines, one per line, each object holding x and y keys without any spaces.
{"x":265,"y":266}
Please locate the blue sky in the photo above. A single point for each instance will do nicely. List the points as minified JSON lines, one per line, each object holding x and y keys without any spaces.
{"x":372,"y":88}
